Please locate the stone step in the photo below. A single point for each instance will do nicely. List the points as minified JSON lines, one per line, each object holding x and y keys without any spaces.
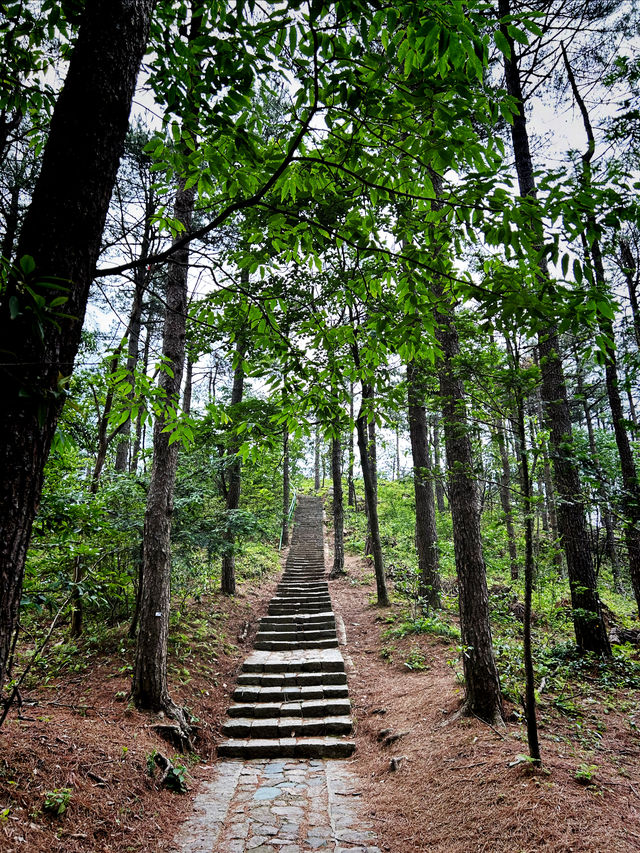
{"x":304,"y":747}
{"x":255,"y":694}
{"x":291,"y":645}
{"x":292,"y":680}
{"x":306,"y":708}
{"x":304,"y":620}
{"x":295,"y":634}
{"x":313,"y":660}
{"x":277,"y":727}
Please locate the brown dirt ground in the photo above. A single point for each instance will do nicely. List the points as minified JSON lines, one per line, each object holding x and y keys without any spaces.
{"x":454,"y":791}
{"x":80,"y":732}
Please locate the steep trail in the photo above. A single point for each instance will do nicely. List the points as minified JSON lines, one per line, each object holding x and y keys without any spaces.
{"x":290,"y":719}
{"x":292,"y":698}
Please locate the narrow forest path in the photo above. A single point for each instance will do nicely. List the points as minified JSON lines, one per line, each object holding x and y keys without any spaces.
{"x":281,"y":787}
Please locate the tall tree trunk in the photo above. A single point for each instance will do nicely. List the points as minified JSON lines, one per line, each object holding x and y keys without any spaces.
{"x":150,"y":688}
{"x":140,"y":278}
{"x":505,"y":495}
{"x":426,"y":534}
{"x":228,"y":575}
{"x":438,"y":465}
{"x":286,"y":485}
{"x":316,"y":461}
{"x":631,"y":486}
{"x":527,"y":496}
{"x":629,"y":269}
{"x":338,"y":506}
{"x":138,"y":441}
{"x":605,"y":507}
{"x":61,"y":232}
{"x":187,"y":391}
{"x":483,"y":696}
{"x":587,"y":614}
{"x":371,"y":506}
{"x":352,"y":499}
{"x":372,"y":454}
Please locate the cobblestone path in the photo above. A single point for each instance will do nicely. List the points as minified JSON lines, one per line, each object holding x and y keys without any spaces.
{"x":290,"y":721}
{"x":278,"y":806}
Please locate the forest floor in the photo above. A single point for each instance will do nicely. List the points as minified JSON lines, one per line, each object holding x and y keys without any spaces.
{"x":429,"y":779}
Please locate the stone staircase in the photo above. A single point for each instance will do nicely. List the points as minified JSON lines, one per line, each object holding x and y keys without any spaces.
{"x":291,"y":700}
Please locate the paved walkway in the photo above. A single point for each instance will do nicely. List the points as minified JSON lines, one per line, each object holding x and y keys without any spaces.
{"x":290,"y":722}
{"x":278,"y":806}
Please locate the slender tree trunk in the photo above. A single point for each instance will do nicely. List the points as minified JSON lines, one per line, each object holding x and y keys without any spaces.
{"x":371,"y":506}
{"x":629,"y":269}
{"x":483,"y":696}
{"x":338,"y":506}
{"x":140,"y":277}
{"x":62,"y":231}
{"x":438,"y":466}
{"x":286,"y":486}
{"x":505,"y":496}
{"x":353,"y":500}
{"x":316,"y":463}
{"x":605,"y":507}
{"x":228,"y":576}
{"x":150,"y":688}
{"x":587,"y":615}
{"x":631,"y":486}
{"x":426,"y":533}
{"x":530,"y":691}
{"x":11,"y":223}
{"x":138,"y":441}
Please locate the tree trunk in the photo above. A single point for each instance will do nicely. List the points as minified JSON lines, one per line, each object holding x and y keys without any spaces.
{"x":316,"y":461}
{"x":629,"y":269}
{"x":286,"y":486}
{"x":140,"y":278}
{"x":505,"y":496}
{"x":587,"y":616}
{"x":371,"y":506}
{"x":483,"y":696}
{"x":631,"y":486}
{"x":62,"y":232}
{"x":228,"y":575}
{"x":426,"y":534}
{"x":338,"y":507}
{"x":352,"y":500}
{"x":150,"y":689}
{"x":138,"y":441}
{"x":530,"y":691}
{"x":438,"y":466}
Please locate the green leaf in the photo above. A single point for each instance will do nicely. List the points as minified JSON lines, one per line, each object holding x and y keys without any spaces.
{"x":502,"y":43}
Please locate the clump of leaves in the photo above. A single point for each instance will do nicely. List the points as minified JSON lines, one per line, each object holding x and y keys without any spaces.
{"x":57,"y":801}
{"x":585,"y":774}
{"x":416,"y":661}
{"x":424,"y":625}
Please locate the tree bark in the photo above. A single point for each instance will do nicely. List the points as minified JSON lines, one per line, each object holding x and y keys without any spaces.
{"x":228,"y":575}
{"x":631,"y":486}
{"x":371,"y":506}
{"x":338,"y":507}
{"x":587,"y":615}
{"x":286,"y":486}
{"x":62,"y":232}
{"x":438,"y":466}
{"x":316,"y":461}
{"x":150,"y":688}
{"x":505,"y":496}
{"x":483,"y":696}
{"x":352,"y":500}
{"x":140,"y":278}
{"x":426,"y":533}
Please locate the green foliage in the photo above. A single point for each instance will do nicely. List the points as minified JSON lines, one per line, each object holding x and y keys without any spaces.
{"x":56,"y":802}
{"x":416,"y":661}
{"x":424,"y":625}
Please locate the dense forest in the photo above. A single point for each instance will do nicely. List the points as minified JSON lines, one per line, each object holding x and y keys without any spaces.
{"x":389,"y":252}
